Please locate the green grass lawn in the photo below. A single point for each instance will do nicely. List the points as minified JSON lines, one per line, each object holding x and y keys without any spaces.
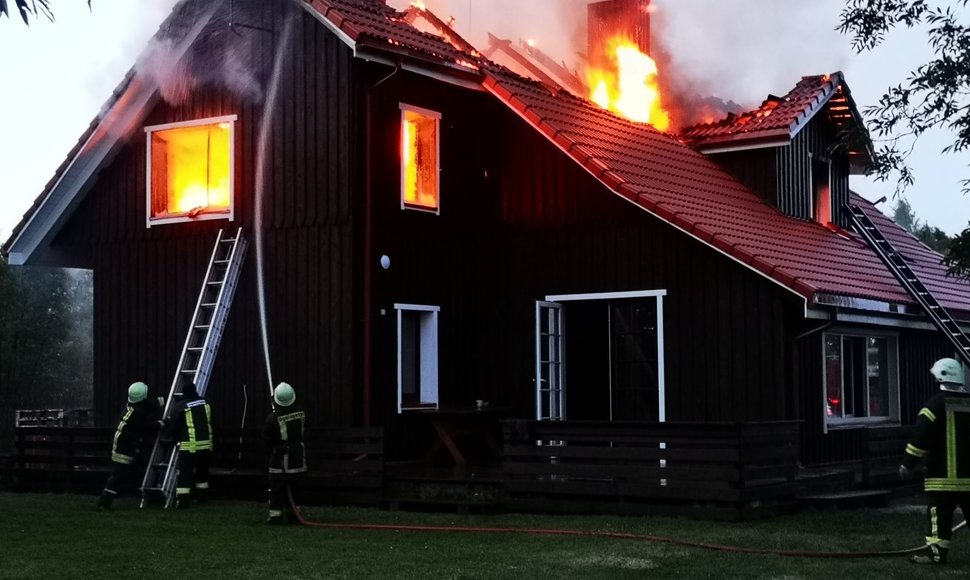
{"x":51,"y":536}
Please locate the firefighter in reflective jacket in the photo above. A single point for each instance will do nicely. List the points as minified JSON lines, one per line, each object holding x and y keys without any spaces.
{"x":283,"y":435}
{"x":942,"y":441}
{"x":192,"y":427}
{"x":138,"y":425}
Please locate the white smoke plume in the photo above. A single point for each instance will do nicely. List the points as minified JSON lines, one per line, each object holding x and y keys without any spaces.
{"x":226,"y":55}
{"x":736,"y":50}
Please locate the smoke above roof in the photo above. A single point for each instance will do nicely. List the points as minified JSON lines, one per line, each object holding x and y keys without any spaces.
{"x":708,"y":51}
{"x":227,"y":54}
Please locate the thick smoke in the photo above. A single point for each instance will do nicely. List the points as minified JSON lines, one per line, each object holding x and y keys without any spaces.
{"x":714,"y":55}
{"x":228,"y":54}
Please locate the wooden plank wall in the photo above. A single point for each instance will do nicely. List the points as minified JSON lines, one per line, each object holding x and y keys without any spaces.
{"x":520,"y":221}
{"x":147,"y":280}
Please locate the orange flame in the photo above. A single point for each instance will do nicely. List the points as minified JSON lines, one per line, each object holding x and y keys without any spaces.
{"x":629,"y":87}
{"x":419,"y":152}
{"x":191,"y":165}
{"x":418,"y":4}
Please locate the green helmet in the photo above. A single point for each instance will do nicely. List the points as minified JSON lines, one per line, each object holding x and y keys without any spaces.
{"x":284,"y":395}
{"x":137,"y":392}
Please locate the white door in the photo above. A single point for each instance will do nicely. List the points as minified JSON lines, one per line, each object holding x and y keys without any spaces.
{"x":549,"y":384}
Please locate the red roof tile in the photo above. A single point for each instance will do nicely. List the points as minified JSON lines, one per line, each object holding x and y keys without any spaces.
{"x":669,"y":179}
{"x":366,"y":21}
{"x":777,"y":117}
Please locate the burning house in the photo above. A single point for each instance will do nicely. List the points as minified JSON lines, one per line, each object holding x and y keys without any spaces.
{"x":444,"y":229}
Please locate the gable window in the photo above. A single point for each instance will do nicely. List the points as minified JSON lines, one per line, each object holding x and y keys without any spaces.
{"x":821,"y":190}
{"x":419,"y":158}
{"x":860,"y":378}
{"x":190,"y":170}
{"x":417,"y":357}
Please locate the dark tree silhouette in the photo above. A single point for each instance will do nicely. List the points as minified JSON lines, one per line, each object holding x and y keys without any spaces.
{"x":935,"y":95}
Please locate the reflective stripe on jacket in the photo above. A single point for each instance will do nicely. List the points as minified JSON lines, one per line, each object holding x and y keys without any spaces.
{"x":283,"y":434}
{"x":195,"y":427}
{"x":942,"y":440}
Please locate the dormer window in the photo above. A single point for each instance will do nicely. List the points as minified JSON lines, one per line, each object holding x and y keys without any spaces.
{"x":821,"y":190}
{"x":419,"y":159}
{"x":190,"y":171}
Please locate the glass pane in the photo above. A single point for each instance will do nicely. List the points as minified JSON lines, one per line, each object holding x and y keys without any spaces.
{"x":833,"y":375}
{"x":878,"y":375}
{"x":410,"y":358}
{"x":420,"y":157}
{"x":633,"y":359}
{"x":191,"y":170}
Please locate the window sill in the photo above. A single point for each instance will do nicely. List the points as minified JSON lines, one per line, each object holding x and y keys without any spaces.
{"x":862,"y":424}
{"x":420,"y":407}
{"x":186,"y":218}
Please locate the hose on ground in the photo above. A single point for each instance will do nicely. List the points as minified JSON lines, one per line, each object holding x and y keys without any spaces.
{"x":657,"y":539}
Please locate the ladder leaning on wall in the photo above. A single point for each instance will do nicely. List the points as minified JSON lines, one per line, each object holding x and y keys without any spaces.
{"x":198,"y":356}
{"x":908,"y":279}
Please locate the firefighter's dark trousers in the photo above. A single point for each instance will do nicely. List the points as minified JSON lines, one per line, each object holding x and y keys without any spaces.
{"x":280,"y":508}
{"x":939,"y":512}
{"x":193,"y":478}
{"x":123,"y":479}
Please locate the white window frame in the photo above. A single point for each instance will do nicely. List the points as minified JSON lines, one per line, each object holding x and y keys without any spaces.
{"x":892,"y":339}
{"x":429,"y":356}
{"x":405,"y":108}
{"x":658,"y":295}
{"x":205,"y":216}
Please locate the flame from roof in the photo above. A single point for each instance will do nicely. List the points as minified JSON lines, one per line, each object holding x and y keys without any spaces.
{"x":629,"y":86}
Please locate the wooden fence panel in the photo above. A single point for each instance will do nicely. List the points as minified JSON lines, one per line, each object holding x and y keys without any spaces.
{"x":728,"y":470}
{"x":346,"y":465}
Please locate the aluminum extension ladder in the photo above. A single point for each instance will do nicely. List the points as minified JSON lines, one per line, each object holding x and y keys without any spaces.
{"x":905,"y":275}
{"x":198,"y":356}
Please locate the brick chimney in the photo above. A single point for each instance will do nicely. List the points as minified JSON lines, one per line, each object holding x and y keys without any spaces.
{"x":610,"y":18}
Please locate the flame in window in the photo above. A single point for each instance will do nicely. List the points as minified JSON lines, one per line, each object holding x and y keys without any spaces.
{"x":628,"y":86}
{"x":420,"y":159}
{"x":190,"y":169}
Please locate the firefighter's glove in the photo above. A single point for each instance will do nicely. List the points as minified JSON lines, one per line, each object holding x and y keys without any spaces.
{"x":905,"y":473}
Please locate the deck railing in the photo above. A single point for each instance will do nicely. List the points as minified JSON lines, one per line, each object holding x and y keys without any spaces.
{"x":346,"y":465}
{"x":730,"y":471}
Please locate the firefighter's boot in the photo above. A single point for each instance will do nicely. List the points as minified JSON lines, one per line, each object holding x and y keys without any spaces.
{"x":104,"y":500}
{"x":935,"y":555}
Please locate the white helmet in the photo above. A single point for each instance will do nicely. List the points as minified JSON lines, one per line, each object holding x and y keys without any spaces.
{"x":949,"y":374}
{"x":284,"y":395}
{"x":137,"y":392}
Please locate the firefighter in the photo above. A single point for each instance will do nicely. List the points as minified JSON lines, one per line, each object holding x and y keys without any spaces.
{"x":942,"y":424}
{"x":191,"y":427}
{"x":283,"y":435}
{"x":139,"y":423}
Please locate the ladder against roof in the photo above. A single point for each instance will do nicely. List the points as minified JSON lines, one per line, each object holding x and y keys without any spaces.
{"x":907,"y":278}
{"x":198,"y":356}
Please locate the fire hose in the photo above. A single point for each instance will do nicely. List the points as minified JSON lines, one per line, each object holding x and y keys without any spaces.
{"x":657,"y":539}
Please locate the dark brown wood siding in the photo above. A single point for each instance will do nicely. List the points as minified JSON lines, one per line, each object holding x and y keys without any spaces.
{"x":783,"y":175}
{"x":756,"y":168}
{"x":147,"y":280}
{"x":520,"y":221}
